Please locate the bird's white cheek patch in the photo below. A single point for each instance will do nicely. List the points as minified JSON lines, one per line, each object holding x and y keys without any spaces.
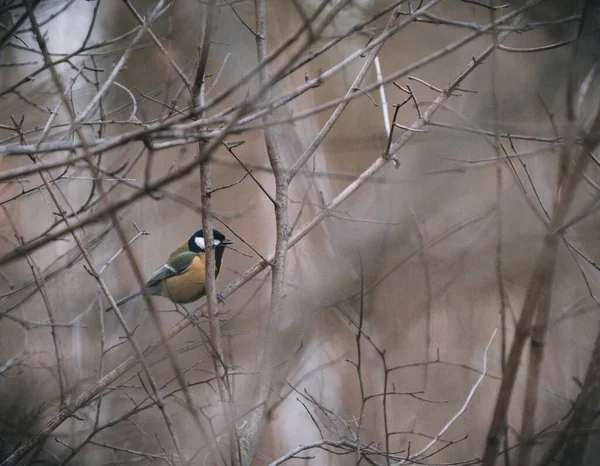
{"x":199,"y":242}
{"x":216,"y":242}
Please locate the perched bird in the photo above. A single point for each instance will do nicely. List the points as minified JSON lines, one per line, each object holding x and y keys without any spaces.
{"x":182,"y":278}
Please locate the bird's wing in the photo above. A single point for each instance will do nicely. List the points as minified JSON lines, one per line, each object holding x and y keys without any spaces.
{"x":175,"y":266}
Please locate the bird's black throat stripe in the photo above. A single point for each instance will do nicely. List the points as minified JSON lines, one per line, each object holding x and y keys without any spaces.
{"x":219,"y":250}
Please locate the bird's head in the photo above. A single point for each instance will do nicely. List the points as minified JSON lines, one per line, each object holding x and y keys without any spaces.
{"x":196,"y":242}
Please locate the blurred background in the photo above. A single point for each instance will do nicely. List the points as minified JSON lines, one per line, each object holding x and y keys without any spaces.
{"x":400,"y":307}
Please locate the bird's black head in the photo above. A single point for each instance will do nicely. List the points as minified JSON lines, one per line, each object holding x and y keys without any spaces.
{"x":196,"y":241}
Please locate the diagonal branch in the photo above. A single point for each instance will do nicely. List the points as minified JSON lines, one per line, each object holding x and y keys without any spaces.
{"x":176,"y":67}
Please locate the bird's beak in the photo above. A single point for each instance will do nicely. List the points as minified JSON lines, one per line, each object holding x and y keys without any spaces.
{"x":226,"y":241}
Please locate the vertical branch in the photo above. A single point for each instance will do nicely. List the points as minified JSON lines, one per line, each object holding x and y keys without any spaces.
{"x":204,"y":47}
{"x":574,"y":437}
{"x":267,"y":351}
{"x":536,"y":355}
{"x":216,"y":344}
{"x":429,"y":303}
{"x":565,"y":191}
{"x":499,"y":214}
{"x":359,"y":365}
{"x":382,"y":96}
{"x":541,"y":279}
{"x":384,"y":405}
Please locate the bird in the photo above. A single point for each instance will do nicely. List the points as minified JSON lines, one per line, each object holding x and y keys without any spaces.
{"x":181,"y":279}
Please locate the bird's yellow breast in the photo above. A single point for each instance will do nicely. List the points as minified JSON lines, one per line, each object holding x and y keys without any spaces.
{"x":188,"y":286}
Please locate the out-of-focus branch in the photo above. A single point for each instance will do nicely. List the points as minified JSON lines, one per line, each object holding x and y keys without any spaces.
{"x":571,"y":443}
{"x":120,"y":64}
{"x":154,"y":130}
{"x":537,"y":301}
{"x":174,"y":65}
{"x":92,"y":269}
{"x":216,"y":138}
{"x":267,"y":351}
{"x":17,"y":24}
{"x":354,"y":88}
{"x":61,"y":374}
{"x":537,"y":291}
{"x":397,"y":74}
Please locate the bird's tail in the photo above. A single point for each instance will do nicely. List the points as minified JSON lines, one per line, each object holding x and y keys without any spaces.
{"x":126,"y":299}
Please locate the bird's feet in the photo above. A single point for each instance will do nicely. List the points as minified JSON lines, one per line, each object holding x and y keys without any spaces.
{"x":190,"y":315}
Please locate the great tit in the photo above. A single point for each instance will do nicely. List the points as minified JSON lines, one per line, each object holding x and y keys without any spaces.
{"x":182,"y":278}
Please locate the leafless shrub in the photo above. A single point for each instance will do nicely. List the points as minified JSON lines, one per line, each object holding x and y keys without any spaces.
{"x":413,"y":192}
